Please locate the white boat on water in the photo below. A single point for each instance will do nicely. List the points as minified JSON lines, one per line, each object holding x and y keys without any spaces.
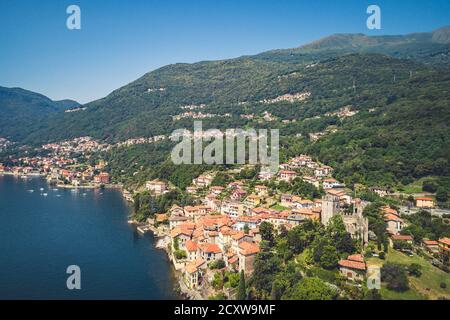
{"x":31,"y":191}
{"x":45,"y":194}
{"x":41,"y":189}
{"x":55,"y":189}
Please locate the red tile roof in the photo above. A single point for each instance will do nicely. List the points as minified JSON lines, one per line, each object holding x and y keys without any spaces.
{"x":210,"y":248}
{"x":248,"y":248}
{"x":356,"y":258}
{"x":352,"y":264}
{"x":392,"y":217}
{"x":430,"y":242}
{"x":402,"y":237}
{"x":233,"y":260}
{"x":191,"y":246}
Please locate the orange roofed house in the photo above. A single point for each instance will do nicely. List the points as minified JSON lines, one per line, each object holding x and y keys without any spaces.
{"x":102,"y":178}
{"x":247,"y":253}
{"x":193,"y":273}
{"x":286,"y":175}
{"x":209,"y":251}
{"x":444,"y":247}
{"x":354,"y":267}
{"x":424,"y":203}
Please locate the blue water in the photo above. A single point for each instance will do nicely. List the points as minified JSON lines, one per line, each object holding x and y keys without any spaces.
{"x":41,"y":236}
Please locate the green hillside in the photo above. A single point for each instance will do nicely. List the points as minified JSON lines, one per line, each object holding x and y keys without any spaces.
{"x":395,"y":86}
{"x":21,"y":109}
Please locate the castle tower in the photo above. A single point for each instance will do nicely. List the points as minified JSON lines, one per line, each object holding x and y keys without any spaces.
{"x":330,"y":208}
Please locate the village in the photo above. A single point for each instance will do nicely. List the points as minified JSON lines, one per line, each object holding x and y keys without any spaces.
{"x":65,"y":164}
{"x":222,"y":232}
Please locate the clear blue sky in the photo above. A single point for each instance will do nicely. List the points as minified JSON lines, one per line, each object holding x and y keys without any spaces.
{"x":121,"y":40}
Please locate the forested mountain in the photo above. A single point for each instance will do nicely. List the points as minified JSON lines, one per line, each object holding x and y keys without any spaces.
{"x":21,"y":108}
{"x":431,"y":48}
{"x":394,"y":90}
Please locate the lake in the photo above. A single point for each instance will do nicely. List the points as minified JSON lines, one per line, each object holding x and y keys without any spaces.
{"x":40,"y":236}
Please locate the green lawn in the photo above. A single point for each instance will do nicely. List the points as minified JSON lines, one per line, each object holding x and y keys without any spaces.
{"x":427,"y":286}
{"x":278,"y":207}
{"x":416,"y":186}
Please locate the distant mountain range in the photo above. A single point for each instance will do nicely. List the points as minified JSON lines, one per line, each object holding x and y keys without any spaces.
{"x":430,"y":48}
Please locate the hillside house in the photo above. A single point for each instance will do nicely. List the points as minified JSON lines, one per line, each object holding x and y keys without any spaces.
{"x":425,"y":203}
{"x":157,"y":187}
{"x":354,"y":267}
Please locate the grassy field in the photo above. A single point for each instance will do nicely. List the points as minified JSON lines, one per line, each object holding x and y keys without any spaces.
{"x":278,"y":207}
{"x":425,"y":287}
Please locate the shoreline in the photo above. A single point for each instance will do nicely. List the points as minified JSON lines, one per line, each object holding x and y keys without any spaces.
{"x":161,"y":242}
{"x":160,"y":237}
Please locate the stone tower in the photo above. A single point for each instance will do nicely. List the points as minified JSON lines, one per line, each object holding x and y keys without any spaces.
{"x":330,"y":208}
{"x":356,"y":224}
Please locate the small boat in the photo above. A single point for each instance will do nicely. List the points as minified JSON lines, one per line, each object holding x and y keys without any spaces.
{"x":58,"y":195}
{"x":84,"y":194}
{"x":31,"y":191}
{"x":55,"y":189}
{"x":41,"y":189}
{"x":45,"y":194}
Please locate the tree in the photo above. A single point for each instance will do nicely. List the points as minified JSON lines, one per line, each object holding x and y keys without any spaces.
{"x":415,"y":270}
{"x":217,"y":264}
{"x":266,"y":230}
{"x":341,"y":238}
{"x":429,"y":186}
{"x":176,"y":243}
{"x":395,"y":277}
{"x":242,"y":294}
{"x":266,"y":266}
{"x":310,"y":289}
{"x":441,"y":195}
{"x":329,"y":258}
{"x":246,"y":229}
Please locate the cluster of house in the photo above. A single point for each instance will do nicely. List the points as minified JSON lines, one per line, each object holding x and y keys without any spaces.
{"x":82,"y":145}
{"x":198,"y":115}
{"x":61,"y":167}
{"x":343,"y":112}
{"x":206,"y":237}
{"x":225,"y":226}
{"x":151,"y":90}
{"x":193,"y":106}
{"x":291,"y":98}
{"x":142,"y":140}
{"x":4,"y":143}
